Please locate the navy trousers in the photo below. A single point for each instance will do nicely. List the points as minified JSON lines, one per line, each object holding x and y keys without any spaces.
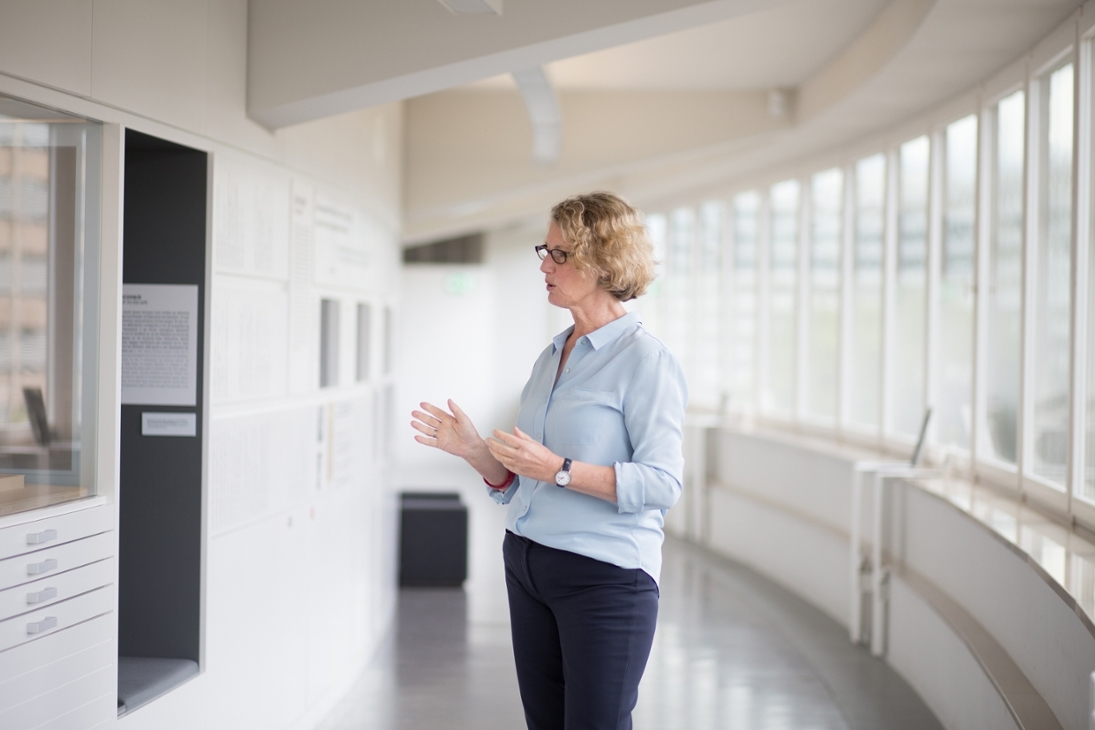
{"x":582,"y":631}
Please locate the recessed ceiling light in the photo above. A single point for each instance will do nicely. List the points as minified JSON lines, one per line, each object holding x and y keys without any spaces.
{"x":473,"y":6}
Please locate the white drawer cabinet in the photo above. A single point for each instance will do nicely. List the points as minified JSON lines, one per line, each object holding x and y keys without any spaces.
{"x":37,"y":534}
{"x":55,"y":588}
{"x":78,"y":704}
{"x":58,"y":672}
{"x":58,"y":663}
{"x":96,"y":713}
{"x":34,"y":566}
{"x":35,"y":660}
{"x":55,"y":618}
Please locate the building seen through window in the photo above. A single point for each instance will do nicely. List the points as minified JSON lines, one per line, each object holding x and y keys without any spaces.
{"x":48,"y":208}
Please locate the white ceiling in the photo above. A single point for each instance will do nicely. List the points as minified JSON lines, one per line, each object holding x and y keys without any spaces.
{"x":778,"y":47}
{"x":679,"y":115}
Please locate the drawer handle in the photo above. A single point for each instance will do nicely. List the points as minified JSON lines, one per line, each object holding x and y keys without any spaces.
{"x":37,"y":538}
{"x":43,"y":567}
{"x":49,"y":622}
{"x":43,"y":595}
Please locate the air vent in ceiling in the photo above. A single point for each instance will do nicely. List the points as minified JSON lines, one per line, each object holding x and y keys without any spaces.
{"x":462,"y":250}
{"x":473,"y":6}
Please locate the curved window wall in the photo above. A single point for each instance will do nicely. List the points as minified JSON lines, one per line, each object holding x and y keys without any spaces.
{"x":949,"y":269}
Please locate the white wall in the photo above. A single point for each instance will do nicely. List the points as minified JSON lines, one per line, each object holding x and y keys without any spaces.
{"x":299,"y":568}
{"x":471,"y":333}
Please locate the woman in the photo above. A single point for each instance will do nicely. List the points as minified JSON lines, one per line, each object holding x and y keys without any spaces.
{"x":591,"y":467}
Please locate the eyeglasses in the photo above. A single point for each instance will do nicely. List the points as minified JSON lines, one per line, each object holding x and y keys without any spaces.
{"x":558,"y":255}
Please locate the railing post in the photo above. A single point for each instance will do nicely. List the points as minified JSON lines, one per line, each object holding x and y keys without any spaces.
{"x":855,"y":558}
{"x":878,"y":573}
{"x":697,"y":504}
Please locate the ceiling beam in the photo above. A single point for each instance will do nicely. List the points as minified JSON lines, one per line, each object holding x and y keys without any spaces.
{"x":308,"y":60}
{"x":544,"y":115}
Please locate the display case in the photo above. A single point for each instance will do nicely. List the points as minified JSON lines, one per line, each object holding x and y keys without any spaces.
{"x":50,"y":175}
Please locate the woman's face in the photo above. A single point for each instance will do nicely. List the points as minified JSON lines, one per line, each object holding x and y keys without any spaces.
{"x":567,"y":286}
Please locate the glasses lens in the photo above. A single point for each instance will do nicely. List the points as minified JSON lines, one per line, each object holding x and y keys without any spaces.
{"x":560,"y":257}
{"x":541,"y":251}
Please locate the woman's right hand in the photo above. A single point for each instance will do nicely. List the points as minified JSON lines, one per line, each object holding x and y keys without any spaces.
{"x":453,"y":433}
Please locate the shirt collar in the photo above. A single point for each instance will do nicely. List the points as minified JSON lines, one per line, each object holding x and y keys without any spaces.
{"x":600,"y":337}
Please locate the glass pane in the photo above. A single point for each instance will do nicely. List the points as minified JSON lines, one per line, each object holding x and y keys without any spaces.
{"x":865,"y":348}
{"x":48,"y":236}
{"x":906,"y":376}
{"x":1004,"y":292}
{"x":823,"y":333}
{"x":706,"y":392}
{"x":1050,"y":368}
{"x":650,"y":304}
{"x":680,"y":286}
{"x":746,"y":230}
{"x":955,"y":369}
{"x":779,"y":394}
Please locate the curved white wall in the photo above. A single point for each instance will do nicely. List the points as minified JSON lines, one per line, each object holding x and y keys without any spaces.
{"x":783,"y":508}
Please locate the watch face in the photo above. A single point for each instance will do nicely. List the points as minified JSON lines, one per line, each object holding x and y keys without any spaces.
{"x":562,"y":478}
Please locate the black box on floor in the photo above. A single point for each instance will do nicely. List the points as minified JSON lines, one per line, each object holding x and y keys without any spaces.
{"x":433,"y":540}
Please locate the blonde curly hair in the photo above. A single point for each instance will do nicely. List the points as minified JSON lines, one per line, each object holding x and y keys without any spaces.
{"x":608,"y":237}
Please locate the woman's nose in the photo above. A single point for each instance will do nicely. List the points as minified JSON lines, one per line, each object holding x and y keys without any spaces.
{"x":547,"y":265}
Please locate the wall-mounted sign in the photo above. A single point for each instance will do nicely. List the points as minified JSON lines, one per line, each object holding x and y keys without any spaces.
{"x":169,"y":424}
{"x":159,"y":344}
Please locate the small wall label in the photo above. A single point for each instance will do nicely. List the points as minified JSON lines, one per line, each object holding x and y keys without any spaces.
{"x":169,"y":424}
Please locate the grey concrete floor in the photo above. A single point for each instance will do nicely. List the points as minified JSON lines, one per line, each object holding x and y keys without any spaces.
{"x":732,"y":650}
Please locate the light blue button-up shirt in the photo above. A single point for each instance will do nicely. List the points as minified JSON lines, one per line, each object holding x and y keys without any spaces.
{"x":619,"y":402}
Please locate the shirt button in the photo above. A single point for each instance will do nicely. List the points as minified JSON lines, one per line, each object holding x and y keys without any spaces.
{"x":585,"y":341}
{"x":567,"y":370}
{"x":539,"y":435}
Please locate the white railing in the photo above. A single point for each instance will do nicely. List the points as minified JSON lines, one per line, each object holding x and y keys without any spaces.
{"x":868,"y":560}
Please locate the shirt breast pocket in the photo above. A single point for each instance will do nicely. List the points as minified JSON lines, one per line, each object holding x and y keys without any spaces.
{"x":584,"y":415}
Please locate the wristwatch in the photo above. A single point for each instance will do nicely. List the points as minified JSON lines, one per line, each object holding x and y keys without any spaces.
{"x":562,"y":477}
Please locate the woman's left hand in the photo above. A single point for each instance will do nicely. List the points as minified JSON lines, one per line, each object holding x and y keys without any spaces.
{"x":524,"y":455}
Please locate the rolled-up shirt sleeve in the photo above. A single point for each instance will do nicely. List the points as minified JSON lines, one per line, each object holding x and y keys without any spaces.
{"x":654,"y":408}
{"x":503,"y":496}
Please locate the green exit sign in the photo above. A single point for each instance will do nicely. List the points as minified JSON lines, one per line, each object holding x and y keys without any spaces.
{"x":461,"y":283}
